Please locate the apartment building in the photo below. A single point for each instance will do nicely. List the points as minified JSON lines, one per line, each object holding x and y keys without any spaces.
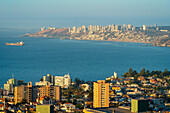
{"x":100,"y":94}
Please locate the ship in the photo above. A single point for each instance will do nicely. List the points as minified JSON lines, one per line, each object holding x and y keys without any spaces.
{"x":16,"y":44}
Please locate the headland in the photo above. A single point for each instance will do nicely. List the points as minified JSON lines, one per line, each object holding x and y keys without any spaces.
{"x":153,"y":34}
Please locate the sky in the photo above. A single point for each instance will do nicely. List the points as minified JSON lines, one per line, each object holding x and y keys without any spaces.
{"x":68,"y":13}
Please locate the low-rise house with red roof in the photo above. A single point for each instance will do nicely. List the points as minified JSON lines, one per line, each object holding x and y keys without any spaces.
{"x":141,"y":78}
{"x":153,"y":81}
{"x":1,"y":106}
{"x":33,"y":103}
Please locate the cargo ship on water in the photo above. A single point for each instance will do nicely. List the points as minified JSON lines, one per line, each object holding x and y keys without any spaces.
{"x":15,"y":44}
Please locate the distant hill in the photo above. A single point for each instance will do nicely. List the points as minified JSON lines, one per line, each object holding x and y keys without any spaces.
{"x":156,"y":37}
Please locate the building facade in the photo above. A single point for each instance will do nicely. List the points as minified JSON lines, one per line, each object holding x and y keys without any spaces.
{"x":31,"y":93}
{"x":48,"y":108}
{"x":139,"y":105}
{"x":63,"y":81}
{"x":11,"y":83}
{"x":49,"y":78}
{"x":100,"y":94}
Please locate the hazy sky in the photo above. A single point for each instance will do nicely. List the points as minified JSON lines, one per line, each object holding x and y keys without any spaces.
{"x":64,"y":13}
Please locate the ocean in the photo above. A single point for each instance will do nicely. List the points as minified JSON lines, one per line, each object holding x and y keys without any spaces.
{"x":87,"y":60}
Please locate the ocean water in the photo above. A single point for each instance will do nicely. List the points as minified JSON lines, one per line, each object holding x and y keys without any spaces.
{"x":88,"y":60}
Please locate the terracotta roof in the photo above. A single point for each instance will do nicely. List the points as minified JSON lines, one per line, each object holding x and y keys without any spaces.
{"x":1,"y":105}
{"x":67,"y":103}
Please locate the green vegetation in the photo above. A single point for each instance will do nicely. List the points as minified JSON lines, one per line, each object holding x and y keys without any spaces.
{"x":156,"y":74}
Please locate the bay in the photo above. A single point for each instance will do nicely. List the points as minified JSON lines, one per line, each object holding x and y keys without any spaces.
{"x":88,"y":60}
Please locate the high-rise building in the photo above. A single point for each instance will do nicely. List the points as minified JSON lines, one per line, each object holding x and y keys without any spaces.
{"x":67,"y":80}
{"x":9,"y":88}
{"x":100,"y":94}
{"x":49,"y":78}
{"x":23,"y":92}
{"x":74,"y":29}
{"x":63,"y":81}
{"x":129,"y":26}
{"x":120,"y":27}
{"x":109,"y":27}
{"x":59,"y":81}
{"x":98,"y":28}
{"x":112,"y":27}
{"x":11,"y":83}
{"x":133,"y":28}
{"x":116,"y":27}
{"x":124,"y":25}
{"x":90,"y":27}
{"x":84,"y":28}
{"x":31,"y":93}
{"x":144,"y":27}
{"x":69,"y":30}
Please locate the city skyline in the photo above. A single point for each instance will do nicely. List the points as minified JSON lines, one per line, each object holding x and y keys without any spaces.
{"x":84,"y":56}
{"x":35,"y":14}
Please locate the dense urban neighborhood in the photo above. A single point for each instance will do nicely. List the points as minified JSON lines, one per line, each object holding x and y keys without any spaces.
{"x":150,"y":90}
{"x":155,"y":35}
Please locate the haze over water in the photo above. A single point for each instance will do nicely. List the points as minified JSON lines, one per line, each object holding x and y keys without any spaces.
{"x":69,"y":13}
{"x":88,"y":60}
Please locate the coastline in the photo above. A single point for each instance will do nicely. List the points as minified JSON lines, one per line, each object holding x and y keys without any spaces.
{"x":135,"y":36}
{"x":87,"y":39}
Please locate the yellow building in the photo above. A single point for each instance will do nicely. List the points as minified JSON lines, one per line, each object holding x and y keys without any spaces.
{"x":100,"y":94}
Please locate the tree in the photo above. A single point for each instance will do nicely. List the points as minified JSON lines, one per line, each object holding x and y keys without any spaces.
{"x":130,"y":82}
{"x":68,"y":100}
{"x":129,"y":74}
{"x":125,"y":75}
{"x":166,"y":72}
{"x":82,"y":81}
{"x":78,"y":81}
{"x":79,"y":106}
{"x":135,"y":77}
{"x":69,"y":94}
{"x":134,"y":73}
{"x":142,"y":73}
{"x":90,"y":96}
{"x":147,"y":73}
{"x":74,"y":101}
{"x":158,"y":88}
{"x":24,"y":101}
{"x":41,"y":79}
{"x":130,"y":70}
{"x":108,"y":81}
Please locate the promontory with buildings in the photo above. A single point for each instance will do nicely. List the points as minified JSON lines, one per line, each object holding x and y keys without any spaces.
{"x":153,"y":34}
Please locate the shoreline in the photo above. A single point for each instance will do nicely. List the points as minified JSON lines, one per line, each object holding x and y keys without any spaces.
{"x":90,"y":40}
{"x":116,"y":40}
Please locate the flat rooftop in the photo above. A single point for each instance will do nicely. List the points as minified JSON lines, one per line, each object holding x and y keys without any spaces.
{"x":109,"y":110}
